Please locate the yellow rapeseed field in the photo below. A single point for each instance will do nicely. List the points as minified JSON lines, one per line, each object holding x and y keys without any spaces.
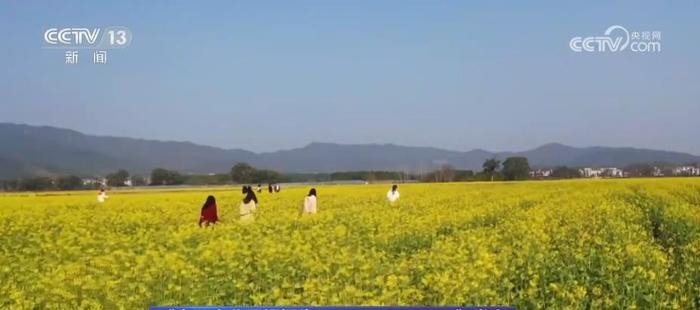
{"x":600,"y":244}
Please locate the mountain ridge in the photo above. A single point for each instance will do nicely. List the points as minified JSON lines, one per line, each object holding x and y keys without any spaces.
{"x":27,"y":150}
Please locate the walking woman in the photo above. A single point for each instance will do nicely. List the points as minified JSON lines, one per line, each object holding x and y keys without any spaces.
{"x":310,"y":203}
{"x":393,"y":194}
{"x":102,"y":196}
{"x":209,"y":214}
{"x":248,"y":205}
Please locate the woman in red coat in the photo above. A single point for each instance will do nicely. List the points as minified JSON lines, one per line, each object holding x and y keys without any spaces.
{"x":209,"y":215}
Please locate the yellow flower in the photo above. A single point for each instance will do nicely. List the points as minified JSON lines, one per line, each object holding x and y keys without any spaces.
{"x":632,"y":243}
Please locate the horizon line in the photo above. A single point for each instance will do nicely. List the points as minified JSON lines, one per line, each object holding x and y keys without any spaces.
{"x":342,"y":144}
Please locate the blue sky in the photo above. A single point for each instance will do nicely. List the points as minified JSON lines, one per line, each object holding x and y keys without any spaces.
{"x":269,"y":75}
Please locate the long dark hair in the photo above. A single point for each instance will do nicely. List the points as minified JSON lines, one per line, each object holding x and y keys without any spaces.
{"x":249,"y":195}
{"x":211,"y":201}
{"x":312,"y":192}
{"x":394,"y":188}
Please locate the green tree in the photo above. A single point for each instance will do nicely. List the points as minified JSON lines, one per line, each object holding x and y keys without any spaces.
{"x":9,"y":185}
{"x":138,"y":181}
{"x":242,"y":173}
{"x":491,"y":167}
{"x":208,"y":179}
{"x":464,"y":175}
{"x":370,"y":177}
{"x":35,"y":184}
{"x":640,"y":170}
{"x":265,"y":176}
{"x":118,"y":178}
{"x":516,"y":168}
{"x":160,"y":176}
{"x":564,"y":172}
{"x":446,"y":173}
{"x":69,"y":183}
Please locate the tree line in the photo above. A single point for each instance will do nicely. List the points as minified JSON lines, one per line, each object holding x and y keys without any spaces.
{"x":240,"y":173}
{"x":510,"y":169}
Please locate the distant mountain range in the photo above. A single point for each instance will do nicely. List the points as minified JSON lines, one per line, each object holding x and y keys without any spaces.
{"x":47,"y":151}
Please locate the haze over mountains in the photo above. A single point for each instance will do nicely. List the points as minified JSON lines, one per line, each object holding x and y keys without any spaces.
{"x":45,"y":151}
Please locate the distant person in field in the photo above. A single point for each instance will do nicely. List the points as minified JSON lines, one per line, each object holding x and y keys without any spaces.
{"x":248,"y":205}
{"x":102,"y":196}
{"x":310,"y":203}
{"x":209,"y":214}
{"x":259,"y":188}
{"x":269,"y":188}
{"x":393,"y":194}
{"x":277,"y":188}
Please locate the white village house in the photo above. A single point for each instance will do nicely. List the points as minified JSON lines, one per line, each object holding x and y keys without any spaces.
{"x":608,"y":172}
{"x":686,"y":171}
{"x":541,"y":173}
{"x":94,"y":181}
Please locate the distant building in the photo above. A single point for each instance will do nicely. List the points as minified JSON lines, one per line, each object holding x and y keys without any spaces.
{"x":657,"y":172}
{"x":541,"y":173}
{"x":686,"y":171}
{"x":613,"y":172}
{"x":591,"y":172}
{"x":94,"y":182}
{"x":607,"y":172}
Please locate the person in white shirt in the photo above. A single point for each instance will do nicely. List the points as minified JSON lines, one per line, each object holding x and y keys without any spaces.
{"x":102,"y":196}
{"x":393,"y":194}
{"x":310,"y":203}
{"x":248,"y":205}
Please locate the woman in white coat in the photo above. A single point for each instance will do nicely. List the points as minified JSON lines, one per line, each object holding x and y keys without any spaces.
{"x":102,"y":196}
{"x":310,"y":203}
{"x":393,"y":194}
{"x":248,"y":205}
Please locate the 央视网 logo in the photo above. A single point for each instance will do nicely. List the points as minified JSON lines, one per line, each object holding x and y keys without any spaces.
{"x":617,"y":39}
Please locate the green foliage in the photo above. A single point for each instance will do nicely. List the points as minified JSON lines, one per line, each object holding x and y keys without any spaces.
{"x":490,"y":167}
{"x":640,"y":170}
{"x":35,"y":184}
{"x":69,"y":183}
{"x":464,"y":175}
{"x":516,"y":168}
{"x":267,"y":176}
{"x":371,"y":175}
{"x":8,"y":185}
{"x":138,"y":181}
{"x":564,"y":172}
{"x":160,"y":176}
{"x":447,"y":173}
{"x":118,"y":178}
{"x":242,"y":173}
{"x":42,"y":184}
{"x":210,"y":179}
{"x":307,"y":177}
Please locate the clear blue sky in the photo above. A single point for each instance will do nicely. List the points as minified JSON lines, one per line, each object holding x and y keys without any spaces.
{"x":269,"y":75}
